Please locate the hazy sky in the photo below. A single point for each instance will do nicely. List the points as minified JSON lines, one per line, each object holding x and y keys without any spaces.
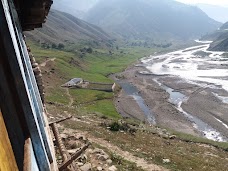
{"x":213,"y":2}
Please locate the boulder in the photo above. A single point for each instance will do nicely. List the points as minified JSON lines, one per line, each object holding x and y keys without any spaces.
{"x":98,"y":151}
{"x":73,"y":151}
{"x":112,"y":168}
{"x":81,"y":137}
{"x":172,"y":136}
{"x":166,"y":160}
{"x":99,"y":168}
{"x":86,"y":167}
{"x":88,"y":152}
{"x":73,"y":144}
{"x":102,"y":157}
{"x":109,"y":161}
{"x":80,"y":164}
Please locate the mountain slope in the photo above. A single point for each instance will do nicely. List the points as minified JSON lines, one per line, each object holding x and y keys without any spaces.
{"x":76,"y":8}
{"x":219,"y":38}
{"x":218,"y":13}
{"x":62,"y":27}
{"x":151,"y":18}
{"x":220,"y":43}
{"x":224,"y":26}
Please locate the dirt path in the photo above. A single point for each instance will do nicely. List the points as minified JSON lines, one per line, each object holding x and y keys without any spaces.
{"x":45,"y":62}
{"x":70,"y":97}
{"x":140,"y":162}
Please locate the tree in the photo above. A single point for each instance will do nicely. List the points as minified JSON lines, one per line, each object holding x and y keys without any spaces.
{"x":61,"y":46}
{"x":43,"y":45}
{"x":89,"y":50}
{"x":53,"y":46}
{"x":145,"y":44}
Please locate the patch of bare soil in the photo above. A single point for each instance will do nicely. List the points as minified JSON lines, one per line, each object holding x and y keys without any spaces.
{"x":45,"y":62}
{"x":140,"y":162}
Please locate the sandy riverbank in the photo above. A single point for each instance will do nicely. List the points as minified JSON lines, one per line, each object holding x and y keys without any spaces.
{"x":200,"y":102}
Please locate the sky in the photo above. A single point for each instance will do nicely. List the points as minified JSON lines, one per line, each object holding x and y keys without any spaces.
{"x":213,"y":2}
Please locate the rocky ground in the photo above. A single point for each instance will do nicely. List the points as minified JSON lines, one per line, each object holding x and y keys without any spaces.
{"x":102,"y":154}
{"x":201,"y":102}
{"x":155,"y":98}
{"x":132,"y":146}
{"x":92,"y":159}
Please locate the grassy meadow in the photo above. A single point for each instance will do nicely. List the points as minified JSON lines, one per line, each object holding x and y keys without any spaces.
{"x":94,"y":67}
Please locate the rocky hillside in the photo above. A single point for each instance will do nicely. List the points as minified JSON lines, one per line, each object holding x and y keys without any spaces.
{"x":62,"y":27}
{"x":224,"y":26}
{"x":221,"y":44}
{"x":151,"y":19}
{"x":219,"y":38}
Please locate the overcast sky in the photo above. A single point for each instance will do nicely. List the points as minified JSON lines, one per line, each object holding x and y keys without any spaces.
{"x":213,"y":2}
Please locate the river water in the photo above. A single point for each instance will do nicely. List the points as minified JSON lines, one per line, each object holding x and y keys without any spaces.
{"x":132,"y":91}
{"x":194,"y":65}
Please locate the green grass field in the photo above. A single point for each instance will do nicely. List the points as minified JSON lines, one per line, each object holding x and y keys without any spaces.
{"x":94,"y":67}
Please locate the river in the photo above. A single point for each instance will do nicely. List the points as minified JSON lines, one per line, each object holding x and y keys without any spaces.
{"x":208,"y":72}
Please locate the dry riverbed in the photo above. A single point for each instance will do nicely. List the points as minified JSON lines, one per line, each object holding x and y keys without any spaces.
{"x":199,"y":113}
{"x":156,"y":98}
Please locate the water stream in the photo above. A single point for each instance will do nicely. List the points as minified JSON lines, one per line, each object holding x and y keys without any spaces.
{"x":194,"y":65}
{"x":222,"y":98}
{"x":131,"y":90}
{"x":207,"y":131}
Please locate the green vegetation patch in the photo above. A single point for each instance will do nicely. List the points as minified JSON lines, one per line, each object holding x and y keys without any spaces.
{"x":95,"y":66}
{"x":104,"y":107}
{"x":85,"y":96}
{"x":57,"y":95}
{"x":195,"y":139}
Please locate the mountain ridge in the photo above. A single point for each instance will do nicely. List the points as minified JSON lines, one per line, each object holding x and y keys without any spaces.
{"x":219,"y":38}
{"x":62,"y":27}
{"x":76,"y":8}
{"x":164,"y":17}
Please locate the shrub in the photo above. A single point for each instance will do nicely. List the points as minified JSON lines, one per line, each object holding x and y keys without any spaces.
{"x":115,"y":126}
{"x":122,"y":126}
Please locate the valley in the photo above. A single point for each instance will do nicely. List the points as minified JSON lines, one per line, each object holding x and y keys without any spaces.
{"x":168,"y":133}
{"x":168,"y":110}
{"x":184,"y":90}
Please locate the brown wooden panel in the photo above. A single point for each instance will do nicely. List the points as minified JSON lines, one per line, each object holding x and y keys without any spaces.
{"x":8,"y":162}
